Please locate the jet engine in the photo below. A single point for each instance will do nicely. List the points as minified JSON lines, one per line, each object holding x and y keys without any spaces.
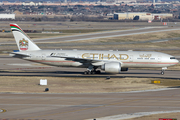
{"x":113,"y":67}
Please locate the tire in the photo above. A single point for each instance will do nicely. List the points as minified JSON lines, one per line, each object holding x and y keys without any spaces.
{"x":89,"y":72}
{"x":85,"y":72}
{"x":98,"y":72}
{"x":93,"y":72}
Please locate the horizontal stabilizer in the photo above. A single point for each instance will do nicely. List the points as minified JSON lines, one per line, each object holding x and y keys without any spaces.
{"x":15,"y":54}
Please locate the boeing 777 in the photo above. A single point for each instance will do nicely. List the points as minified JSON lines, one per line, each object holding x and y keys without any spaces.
{"x":109,"y":61}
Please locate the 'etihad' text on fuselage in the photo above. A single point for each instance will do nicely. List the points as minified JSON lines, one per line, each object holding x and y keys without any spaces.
{"x":105,"y":56}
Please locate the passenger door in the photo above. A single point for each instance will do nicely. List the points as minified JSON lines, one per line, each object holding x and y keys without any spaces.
{"x":131,"y":58}
{"x":43,"y":57}
{"x":159,"y":58}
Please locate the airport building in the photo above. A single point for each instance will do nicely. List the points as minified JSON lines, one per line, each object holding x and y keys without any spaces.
{"x":162,"y":16}
{"x":141,"y":16}
{"x":7,"y":16}
{"x":128,"y":15}
{"x":119,"y":1}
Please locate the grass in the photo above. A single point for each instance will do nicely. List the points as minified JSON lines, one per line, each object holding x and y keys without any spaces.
{"x":75,"y":85}
{"x":174,"y":34}
{"x":141,"y":37}
{"x":44,"y":35}
{"x":170,"y":83}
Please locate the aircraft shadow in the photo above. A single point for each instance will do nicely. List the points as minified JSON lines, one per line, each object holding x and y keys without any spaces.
{"x":174,"y":87}
{"x":76,"y":72}
{"x":81,"y":74}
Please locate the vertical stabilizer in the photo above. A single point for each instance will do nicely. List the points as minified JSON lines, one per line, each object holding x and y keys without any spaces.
{"x":23,"y":41}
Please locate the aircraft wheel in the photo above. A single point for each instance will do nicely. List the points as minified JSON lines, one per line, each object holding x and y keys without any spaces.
{"x":162,"y":72}
{"x":98,"y":72}
{"x":93,"y":72}
{"x":85,"y":72}
{"x":89,"y":72}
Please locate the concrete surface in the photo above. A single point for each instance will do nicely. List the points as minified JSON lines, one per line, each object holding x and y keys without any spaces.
{"x":86,"y":106}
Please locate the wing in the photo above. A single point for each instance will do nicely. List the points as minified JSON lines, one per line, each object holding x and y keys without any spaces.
{"x":82,"y":60}
{"x":77,"y":59}
{"x":87,"y":61}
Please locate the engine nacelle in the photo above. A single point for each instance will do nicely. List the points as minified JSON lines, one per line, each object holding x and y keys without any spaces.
{"x":113,"y":67}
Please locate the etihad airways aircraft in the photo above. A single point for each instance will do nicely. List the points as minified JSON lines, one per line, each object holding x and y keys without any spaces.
{"x":109,"y":61}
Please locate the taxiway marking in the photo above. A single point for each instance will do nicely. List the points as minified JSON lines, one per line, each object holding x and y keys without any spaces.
{"x":3,"y":110}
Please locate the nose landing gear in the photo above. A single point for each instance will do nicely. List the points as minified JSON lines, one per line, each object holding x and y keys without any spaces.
{"x":163,"y":69}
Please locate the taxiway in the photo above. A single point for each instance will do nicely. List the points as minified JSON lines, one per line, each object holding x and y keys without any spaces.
{"x":86,"y":106}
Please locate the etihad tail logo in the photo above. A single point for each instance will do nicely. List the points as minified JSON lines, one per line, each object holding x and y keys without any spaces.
{"x":23,"y":44}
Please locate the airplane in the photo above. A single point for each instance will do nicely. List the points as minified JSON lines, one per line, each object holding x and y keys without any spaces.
{"x":110,"y":61}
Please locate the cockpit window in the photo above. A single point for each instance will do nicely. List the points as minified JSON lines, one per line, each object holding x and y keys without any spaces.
{"x":172,"y":58}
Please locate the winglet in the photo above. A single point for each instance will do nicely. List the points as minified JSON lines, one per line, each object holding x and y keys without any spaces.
{"x":23,"y":41}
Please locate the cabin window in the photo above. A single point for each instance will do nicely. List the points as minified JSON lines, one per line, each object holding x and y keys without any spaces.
{"x":172,"y":58}
{"x":140,"y":58}
{"x":152,"y":58}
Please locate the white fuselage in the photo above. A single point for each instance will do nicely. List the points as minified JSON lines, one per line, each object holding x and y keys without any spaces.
{"x":125,"y":58}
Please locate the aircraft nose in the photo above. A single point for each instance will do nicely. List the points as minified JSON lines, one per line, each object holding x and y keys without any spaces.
{"x":176,"y":61}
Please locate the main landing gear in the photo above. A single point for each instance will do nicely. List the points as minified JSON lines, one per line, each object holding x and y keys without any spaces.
{"x":163,"y":69}
{"x":162,"y":72}
{"x":92,"y":70}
